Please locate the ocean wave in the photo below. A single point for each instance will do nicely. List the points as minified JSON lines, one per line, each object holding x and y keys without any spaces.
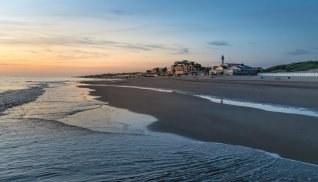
{"x":12,"y":98}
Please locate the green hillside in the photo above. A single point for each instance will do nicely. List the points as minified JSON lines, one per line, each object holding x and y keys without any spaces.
{"x":294,"y":67}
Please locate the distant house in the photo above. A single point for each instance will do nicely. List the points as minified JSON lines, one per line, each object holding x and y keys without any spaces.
{"x":157,"y":72}
{"x":213,"y":70}
{"x":234,"y":69}
{"x":219,"y":70}
{"x":185,"y":67}
{"x":241,"y":69}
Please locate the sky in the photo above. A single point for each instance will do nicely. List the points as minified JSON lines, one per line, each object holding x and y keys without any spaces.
{"x":76,"y":37}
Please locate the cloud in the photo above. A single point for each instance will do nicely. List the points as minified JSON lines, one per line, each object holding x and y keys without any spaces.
{"x":96,"y":43}
{"x":10,"y":64}
{"x":219,"y":43}
{"x":314,"y":48}
{"x":80,"y":54}
{"x":298,"y":52}
{"x":184,"y":51}
{"x":119,"y":12}
{"x":12,"y":22}
{"x":133,"y":46}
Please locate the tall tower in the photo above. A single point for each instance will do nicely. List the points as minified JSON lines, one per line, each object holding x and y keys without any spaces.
{"x":222,"y":58}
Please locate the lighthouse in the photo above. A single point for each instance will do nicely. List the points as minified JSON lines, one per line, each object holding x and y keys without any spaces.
{"x":222,"y":58}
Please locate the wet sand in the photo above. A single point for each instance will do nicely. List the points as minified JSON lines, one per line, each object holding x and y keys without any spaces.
{"x":289,"y":135}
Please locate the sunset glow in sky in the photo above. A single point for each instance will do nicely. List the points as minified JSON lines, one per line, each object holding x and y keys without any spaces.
{"x":78,"y":37}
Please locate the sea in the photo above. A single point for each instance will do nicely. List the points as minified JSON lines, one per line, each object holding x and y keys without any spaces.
{"x":53,"y":130}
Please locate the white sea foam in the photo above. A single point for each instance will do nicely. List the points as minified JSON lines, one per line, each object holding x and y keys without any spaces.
{"x":113,"y":79}
{"x":262,"y":106}
{"x":13,"y":98}
{"x":138,"y":87}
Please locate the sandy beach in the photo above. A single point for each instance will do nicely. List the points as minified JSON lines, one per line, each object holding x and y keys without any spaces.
{"x":292,"y":136}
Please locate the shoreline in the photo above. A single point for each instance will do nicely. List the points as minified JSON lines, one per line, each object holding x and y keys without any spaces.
{"x":288,"y":135}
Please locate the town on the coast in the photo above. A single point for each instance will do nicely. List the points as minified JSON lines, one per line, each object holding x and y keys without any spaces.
{"x":305,"y":70}
{"x":186,"y":67}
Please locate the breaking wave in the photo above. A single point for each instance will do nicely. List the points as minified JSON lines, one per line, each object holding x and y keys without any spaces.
{"x":13,"y":98}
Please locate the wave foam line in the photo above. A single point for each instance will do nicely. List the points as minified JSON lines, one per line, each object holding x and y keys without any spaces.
{"x":262,"y":106}
{"x":141,"y":88}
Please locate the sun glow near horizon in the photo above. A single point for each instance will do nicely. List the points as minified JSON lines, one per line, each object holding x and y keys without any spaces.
{"x":40,"y":51}
{"x":26,"y":60}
